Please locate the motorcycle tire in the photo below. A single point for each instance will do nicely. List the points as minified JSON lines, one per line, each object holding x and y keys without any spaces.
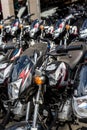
{"x":1,"y":127}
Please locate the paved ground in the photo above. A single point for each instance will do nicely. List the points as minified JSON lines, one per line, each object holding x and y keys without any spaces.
{"x":74,"y":127}
{"x":66,"y":127}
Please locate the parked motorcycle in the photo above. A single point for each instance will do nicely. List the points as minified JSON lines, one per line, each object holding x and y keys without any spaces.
{"x":4,"y":29}
{"x":6,"y":66}
{"x":51,"y":92}
{"x":56,"y":82}
{"x":20,"y":79}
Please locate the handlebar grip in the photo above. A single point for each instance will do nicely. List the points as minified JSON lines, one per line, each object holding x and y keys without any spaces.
{"x":46,"y":40}
{"x":76,"y":47}
{"x":29,"y":15}
{"x":69,"y":48}
{"x":9,"y":47}
{"x":3,"y":48}
{"x":9,"y":17}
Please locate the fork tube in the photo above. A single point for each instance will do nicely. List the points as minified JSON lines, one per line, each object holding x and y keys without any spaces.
{"x":27,"y":111}
{"x":36,"y":107}
{"x":1,"y":35}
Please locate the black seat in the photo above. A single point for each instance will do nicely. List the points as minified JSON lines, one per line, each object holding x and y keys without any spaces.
{"x":73,"y":57}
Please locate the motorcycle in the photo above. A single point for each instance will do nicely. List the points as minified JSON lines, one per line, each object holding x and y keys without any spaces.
{"x":34,"y":31}
{"x":56,"y":81}
{"x":4,"y":29}
{"x":6,"y":66}
{"x":20,"y":79}
{"x":58,"y":33}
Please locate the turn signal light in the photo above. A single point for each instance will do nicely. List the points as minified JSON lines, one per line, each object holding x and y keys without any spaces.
{"x":67,"y":27}
{"x":20,"y":26}
{"x":38,"y":80}
{"x":41,"y":27}
{"x":1,"y":26}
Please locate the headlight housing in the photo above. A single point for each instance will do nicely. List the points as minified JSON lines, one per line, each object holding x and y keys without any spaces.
{"x":79,"y":105}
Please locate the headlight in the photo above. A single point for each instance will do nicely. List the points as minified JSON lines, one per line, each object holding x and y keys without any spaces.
{"x":7,"y":30}
{"x":13,"y":30}
{"x":13,"y":89}
{"x":16,"y":88}
{"x":55,"y":35}
{"x":31,"y":33}
{"x":1,"y":26}
{"x":80,"y":106}
{"x":32,"y":42}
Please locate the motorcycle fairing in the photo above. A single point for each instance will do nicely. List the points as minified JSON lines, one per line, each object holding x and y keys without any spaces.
{"x":15,"y":54}
{"x":15,"y":26}
{"x":57,"y":73}
{"x":19,"y":66}
{"x":34,"y":24}
{"x":21,"y":78}
{"x":6,"y":66}
{"x":34,"y":28}
{"x":15,"y":23}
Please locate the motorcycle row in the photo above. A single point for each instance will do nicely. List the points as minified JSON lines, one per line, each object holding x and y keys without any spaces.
{"x":43,"y":69}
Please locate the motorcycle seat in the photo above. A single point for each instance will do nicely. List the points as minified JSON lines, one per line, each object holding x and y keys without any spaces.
{"x":74,"y":57}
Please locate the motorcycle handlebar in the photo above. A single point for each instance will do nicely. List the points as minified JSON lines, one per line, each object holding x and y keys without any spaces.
{"x":9,"y":17}
{"x":46,"y":40}
{"x":68,"y":48}
{"x":29,"y":15}
{"x":61,"y":51}
{"x":3,"y":48}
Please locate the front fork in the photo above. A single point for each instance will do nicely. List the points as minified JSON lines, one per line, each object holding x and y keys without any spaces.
{"x":28,"y":111}
{"x":34,"y":126}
